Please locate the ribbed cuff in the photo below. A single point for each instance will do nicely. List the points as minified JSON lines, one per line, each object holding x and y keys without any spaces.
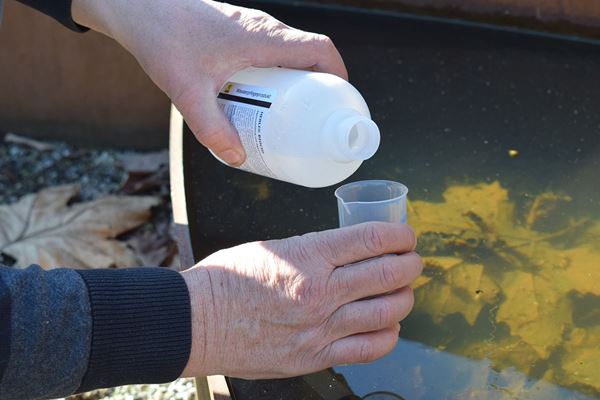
{"x":141,"y":326}
{"x":60,"y":10}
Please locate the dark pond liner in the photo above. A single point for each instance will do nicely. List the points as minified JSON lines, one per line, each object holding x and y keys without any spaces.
{"x":450,"y":100}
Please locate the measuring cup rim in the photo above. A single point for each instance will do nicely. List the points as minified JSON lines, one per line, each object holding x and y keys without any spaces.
{"x":403,"y":188}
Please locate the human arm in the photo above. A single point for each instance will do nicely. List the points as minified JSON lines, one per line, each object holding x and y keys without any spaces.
{"x":290,"y":307}
{"x":260,"y":310}
{"x":191,"y":47}
{"x":64,"y":331}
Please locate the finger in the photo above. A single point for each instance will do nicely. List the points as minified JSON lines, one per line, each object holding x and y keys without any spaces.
{"x":371,"y":315}
{"x":294,"y":48}
{"x":376,"y":276}
{"x":360,"y":242}
{"x":362,"y":348}
{"x":206,"y":119}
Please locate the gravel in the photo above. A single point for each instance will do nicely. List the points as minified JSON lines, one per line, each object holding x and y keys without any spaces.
{"x":26,"y":170}
{"x":181,"y":389}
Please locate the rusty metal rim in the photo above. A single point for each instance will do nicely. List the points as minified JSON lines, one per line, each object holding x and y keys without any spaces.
{"x":456,"y":21}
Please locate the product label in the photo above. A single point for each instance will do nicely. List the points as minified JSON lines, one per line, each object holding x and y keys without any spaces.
{"x":247,"y":107}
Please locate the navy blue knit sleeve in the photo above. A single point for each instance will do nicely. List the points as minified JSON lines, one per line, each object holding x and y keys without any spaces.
{"x":45,"y":331}
{"x":141,"y":326}
{"x":60,"y":10}
{"x":65,"y":331}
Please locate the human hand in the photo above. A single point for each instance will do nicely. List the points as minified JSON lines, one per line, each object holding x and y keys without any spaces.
{"x":294,"y":306}
{"x":191,"y":47}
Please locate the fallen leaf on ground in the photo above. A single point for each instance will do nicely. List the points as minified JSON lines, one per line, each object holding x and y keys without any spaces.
{"x":43,"y":228}
{"x":138,"y":183}
{"x":153,"y":249}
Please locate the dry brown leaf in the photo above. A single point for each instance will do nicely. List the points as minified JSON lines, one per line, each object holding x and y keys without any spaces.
{"x":139,"y":183}
{"x":43,"y":228}
{"x":152,"y":249}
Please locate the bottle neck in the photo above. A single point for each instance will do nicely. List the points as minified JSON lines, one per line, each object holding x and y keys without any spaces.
{"x":350,"y":136}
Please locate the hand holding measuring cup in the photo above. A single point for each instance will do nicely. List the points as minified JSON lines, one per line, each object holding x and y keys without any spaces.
{"x":370,"y":201}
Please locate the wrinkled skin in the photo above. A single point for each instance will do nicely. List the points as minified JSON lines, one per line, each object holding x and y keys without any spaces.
{"x":294,"y":306}
{"x":191,"y":47}
{"x":283,"y":307}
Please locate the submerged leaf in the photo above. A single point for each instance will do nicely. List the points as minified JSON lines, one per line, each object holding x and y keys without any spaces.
{"x":43,"y":228}
{"x":526,"y":272}
{"x":463,"y":289}
{"x":534,"y":310}
{"x":580,"y":362}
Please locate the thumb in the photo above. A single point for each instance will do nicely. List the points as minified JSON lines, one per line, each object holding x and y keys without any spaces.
{"x":206,"y":119}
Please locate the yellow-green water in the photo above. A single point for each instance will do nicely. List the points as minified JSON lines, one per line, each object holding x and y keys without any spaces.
{"x":508,"y":306}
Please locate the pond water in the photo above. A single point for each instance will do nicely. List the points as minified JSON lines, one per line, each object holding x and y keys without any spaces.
{"x":497,"y":135}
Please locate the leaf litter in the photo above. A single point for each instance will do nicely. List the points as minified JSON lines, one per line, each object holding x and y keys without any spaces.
{"x":92,"y":182}
{"x":30,"y":166}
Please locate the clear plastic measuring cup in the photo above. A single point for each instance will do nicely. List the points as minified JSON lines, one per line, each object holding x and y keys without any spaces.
{"x":376,"y":200}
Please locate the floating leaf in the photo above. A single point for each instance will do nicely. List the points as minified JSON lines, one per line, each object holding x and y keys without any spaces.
{"x":43,"y":228}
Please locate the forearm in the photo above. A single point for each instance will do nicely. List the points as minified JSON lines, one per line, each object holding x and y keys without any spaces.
{"x":67,"y":331}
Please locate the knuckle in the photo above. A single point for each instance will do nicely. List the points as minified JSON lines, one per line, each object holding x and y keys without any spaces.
{"x":306,"y":293}
{"x":390,"y":275}
{"x":326,"y":357}
{"x":319,"y":247}
{"x":341,"y":287}
{"x":299,"y":249}
{"x":326,"y":249}
{"x":365,"y":353}
{"x":384,"y":315}
{"x":210,"y":137}
{"x":302,"y":290}
{"x":373,"y":238}
{"x":324,"y":41}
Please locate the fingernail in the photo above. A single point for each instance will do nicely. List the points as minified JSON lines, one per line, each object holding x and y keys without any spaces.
{"x":232,"y":157}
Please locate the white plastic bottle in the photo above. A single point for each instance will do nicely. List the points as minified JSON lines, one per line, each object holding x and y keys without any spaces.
{"x":311,"y":129}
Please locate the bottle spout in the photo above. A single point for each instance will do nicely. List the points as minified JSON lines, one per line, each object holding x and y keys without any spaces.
{"x":351,"y":136}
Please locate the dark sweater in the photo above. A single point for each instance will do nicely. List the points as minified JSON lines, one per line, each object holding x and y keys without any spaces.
{"x":65,"y":331}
